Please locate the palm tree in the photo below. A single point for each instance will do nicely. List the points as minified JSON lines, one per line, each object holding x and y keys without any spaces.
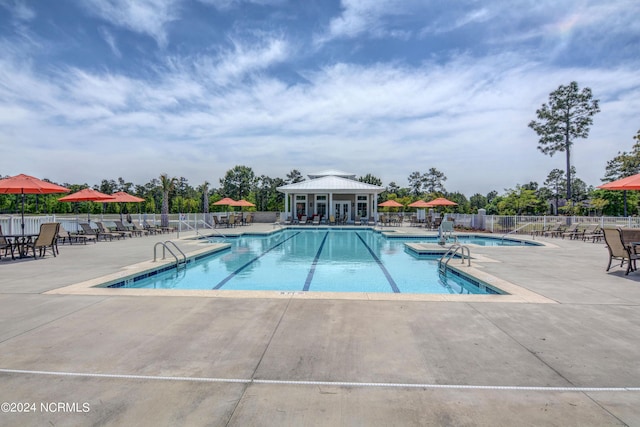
{"x":205,"y":202}
{"x":167,"y":184}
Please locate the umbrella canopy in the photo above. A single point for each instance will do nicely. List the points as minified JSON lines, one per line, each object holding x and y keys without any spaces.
{"x":124,"y":197}
{"x":243,"y":203}
{"x":26,"y":184}
{"x":628,"y":183}
{"x":420,"y":204}
{"x":227,"y":201}
{"x":87,"y":195}
{"x":390,"y":204}
{"x":441,"y":201}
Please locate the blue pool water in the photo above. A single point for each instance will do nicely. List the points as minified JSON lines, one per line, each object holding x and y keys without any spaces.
{"x":323,"y":260}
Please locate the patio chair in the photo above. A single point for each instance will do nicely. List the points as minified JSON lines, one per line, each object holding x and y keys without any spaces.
{"x":248,"y":219}
{"x":6,"y":245}
{"x":288,"y":220}
{"x":316,"y":220}
{"x":231,"y":222}
{"x":428,"y":222}
{"x":46,"y":239}
{"x":436,"y":223}
{"x":332,"y":220}
{"x":618,"y":250}
{"x":217,"y":222}
{"x":303,"y":219}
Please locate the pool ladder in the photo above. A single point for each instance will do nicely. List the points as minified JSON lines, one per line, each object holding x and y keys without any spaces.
{"x":165,"y":247}
{"x":453,"y":250}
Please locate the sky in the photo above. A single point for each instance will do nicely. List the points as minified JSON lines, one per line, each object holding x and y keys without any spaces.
{"x":101,"y":89}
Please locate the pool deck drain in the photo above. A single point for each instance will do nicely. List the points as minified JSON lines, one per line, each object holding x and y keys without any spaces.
{"x":323,"y":360}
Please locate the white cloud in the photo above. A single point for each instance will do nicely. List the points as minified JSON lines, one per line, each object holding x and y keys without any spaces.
{"x":148,"y":17}
{"x":367,"y":17}
{"x":197,"y":116}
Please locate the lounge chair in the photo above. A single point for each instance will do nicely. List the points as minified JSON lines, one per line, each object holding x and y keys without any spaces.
{"x":6,"y":245}
{"x":152,"y":228}
{"x":105,"y":231}
{"x":316,"y":220}
{"x":571,"y":232}
{"x":590,"y":232}
{"x":140,"y":231}
{"x":46,"y":240}
{"x":303,"y":219}
{"x":618,"y":250}
{"x":63,"y":235}
{"x":248,"y":219}
{"x":555,"y":231}
{"x":288,"y":220}
{"x":332,"y":220}
{"x":231,"y":222}
{"x":120,"y":228}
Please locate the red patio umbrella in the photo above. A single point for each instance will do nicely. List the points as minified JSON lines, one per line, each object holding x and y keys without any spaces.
{"x":26,"y":184}
{"x":124,"y":197}
{"x":440,"y":201}
{"x":243,"y":203}
{"x":390,"y":204}
{"x":227,"y":201}
{"x":629,"y":183}
{"x":420,"y":204}
{"x":87,"y":195}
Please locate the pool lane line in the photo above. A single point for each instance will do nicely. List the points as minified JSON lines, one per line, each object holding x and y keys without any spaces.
{"x":394,"y":286}
{"x":318,"y":383}
{"x":232,"y":275}
{"x":312,"y":271}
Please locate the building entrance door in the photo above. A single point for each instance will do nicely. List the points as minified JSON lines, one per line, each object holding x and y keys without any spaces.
{"x":343,"y":211}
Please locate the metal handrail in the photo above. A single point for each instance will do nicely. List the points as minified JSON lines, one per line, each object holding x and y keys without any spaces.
{"x":514,"y":231}
{"x":453,"y":250}
{"x":167,"y":248}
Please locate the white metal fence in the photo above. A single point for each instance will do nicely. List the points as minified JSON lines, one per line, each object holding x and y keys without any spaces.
{"x":194,"y":221}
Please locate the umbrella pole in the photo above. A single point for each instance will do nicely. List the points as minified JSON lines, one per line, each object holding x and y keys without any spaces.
{"x":22,"y":224}
{"x":625,"y":202}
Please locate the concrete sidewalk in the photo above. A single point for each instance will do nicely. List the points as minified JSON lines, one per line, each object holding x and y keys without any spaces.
{"x":157,"y":360}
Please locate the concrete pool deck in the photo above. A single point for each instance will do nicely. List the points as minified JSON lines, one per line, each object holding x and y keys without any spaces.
{"x":570,"y":358}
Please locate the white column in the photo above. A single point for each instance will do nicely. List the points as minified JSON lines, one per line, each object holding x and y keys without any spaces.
{"x":375,"y":206}
{"x":331,"y":208}
{"x":286,"y":204}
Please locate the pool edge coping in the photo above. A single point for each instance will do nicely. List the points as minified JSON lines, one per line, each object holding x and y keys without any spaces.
{"x":99,"y":286}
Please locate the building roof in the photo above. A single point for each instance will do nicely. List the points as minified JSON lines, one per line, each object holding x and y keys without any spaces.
{"x":332,"y":172}
{"x":331,"y":184}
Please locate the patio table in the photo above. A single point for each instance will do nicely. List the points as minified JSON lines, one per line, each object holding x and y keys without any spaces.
{"x":21,"y":242}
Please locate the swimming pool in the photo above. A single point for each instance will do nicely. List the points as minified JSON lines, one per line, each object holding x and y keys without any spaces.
{"x":322,"y":260}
